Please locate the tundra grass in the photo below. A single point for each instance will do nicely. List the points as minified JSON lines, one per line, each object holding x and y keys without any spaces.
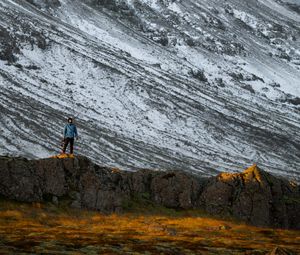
{"x":47,"y":229}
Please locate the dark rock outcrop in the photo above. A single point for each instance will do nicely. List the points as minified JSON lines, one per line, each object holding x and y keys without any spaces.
{"x":253,"y":196}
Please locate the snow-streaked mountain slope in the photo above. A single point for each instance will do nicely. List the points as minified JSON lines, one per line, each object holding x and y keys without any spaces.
{"x":197,"y":85}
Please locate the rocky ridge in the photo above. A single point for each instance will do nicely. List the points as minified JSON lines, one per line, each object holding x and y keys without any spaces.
{"x":253,"y":196}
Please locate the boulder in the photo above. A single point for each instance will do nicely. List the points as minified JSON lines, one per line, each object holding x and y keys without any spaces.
{"x":254,"y":196}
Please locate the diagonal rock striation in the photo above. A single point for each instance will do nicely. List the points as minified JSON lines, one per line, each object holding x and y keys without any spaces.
{"x":203,"y":86}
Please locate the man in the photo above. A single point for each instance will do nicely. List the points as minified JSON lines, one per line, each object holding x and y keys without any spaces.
{"x":70,"y":132}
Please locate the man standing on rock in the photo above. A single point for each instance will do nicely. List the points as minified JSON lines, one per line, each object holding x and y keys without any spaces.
{"x":70,"y":132}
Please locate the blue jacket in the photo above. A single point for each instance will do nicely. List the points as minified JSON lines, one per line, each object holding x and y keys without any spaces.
{"x":70,"y":131}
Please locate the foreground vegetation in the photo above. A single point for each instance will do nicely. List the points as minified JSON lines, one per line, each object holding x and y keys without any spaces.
{"x":48,"y":229}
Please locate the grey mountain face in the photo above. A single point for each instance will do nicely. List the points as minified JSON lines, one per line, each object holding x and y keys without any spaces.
{"x":195,"y":85}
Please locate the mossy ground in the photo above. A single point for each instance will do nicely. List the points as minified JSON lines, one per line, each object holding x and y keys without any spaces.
{"x":47,"y":229}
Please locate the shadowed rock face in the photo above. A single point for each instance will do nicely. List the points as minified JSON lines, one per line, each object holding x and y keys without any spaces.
{"x":253,"y":196}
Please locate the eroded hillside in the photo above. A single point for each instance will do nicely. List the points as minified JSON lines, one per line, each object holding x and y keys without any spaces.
{"x":197,"y":85}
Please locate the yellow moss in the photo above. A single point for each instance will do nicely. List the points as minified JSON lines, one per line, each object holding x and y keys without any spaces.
{"x":63,"y":155}
{"x":37,"y":229}
{"x":226,"y":176}
{"x":11,"y":214}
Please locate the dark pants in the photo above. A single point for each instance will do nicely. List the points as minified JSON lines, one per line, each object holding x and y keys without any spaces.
{"x":66,"y":142}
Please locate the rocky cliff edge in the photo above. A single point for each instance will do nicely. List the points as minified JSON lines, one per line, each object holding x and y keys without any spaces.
{"x":253,"y":196}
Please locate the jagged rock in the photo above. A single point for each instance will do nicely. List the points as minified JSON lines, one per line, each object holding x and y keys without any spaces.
{"x":254,"y":196}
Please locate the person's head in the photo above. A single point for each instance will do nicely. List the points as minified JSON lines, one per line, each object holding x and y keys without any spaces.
{"x":70,"y":120}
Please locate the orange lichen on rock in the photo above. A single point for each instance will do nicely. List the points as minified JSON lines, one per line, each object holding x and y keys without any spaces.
{"x":115,"y":170}
{"x":227,"y":177}
{"x":252,"y":173}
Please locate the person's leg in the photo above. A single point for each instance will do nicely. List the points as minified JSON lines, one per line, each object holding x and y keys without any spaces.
{"x":66,"y":142}
{"x":71,"y":145}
